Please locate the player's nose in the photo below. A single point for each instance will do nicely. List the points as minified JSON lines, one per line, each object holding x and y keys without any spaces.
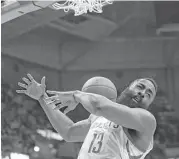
{"x":141,"y":94}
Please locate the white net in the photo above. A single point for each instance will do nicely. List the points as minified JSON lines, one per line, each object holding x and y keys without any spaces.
{"x":82,"y":6}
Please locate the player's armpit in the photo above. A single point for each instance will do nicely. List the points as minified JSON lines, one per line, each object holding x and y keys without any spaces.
{"x":78,"y":131}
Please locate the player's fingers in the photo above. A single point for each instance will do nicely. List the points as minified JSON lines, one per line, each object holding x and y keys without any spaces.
{"x":57,"y":102}
{"x":22,"y":85}
{"x":30,"y":77}
{"x":26,"y":80}
{"x":53,"y":98}
{"x":52,"y":92}
{"x":21,"y":91}
{"x":54,"y":102}
{"x":49,"y":101}
{"x":59,"y":106}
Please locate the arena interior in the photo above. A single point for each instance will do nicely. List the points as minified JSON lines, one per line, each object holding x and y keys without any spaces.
{"x":129,"y":40}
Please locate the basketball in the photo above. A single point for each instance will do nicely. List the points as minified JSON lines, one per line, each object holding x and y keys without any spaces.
{"x":102,"y":86}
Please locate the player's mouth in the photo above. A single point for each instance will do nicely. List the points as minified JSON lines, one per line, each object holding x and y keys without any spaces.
{"x":136,"y":99}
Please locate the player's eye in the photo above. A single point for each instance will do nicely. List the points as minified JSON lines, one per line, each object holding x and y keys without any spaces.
{"x":149,"y":95}
{"x":139,"y":86}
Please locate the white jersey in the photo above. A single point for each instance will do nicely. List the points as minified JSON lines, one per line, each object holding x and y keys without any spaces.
{"x":106,"y":140}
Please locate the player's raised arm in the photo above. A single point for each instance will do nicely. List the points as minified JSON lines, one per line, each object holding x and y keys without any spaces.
{"x":133,"y":118}
{"x":69,"y":130}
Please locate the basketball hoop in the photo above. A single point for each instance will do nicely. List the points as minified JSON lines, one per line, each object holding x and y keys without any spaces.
{"x":82,"y":6}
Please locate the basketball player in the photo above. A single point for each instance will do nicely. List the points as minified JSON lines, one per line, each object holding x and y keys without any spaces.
{"x":122,"y":130}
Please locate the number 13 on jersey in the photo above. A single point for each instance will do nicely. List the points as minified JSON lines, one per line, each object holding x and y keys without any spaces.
{"x":96,"y":143}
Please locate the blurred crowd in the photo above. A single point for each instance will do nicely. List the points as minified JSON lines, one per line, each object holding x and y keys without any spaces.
{"x":5,"y":2}
{"x":21,"y":117}
{"x":20,"y":121}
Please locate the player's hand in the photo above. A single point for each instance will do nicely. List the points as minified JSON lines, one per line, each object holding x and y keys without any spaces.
{"x":32,"y":88}
{"x":63,"y":99}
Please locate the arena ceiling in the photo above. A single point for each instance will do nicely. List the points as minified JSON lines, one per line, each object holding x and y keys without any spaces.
{"x":121,"y":20}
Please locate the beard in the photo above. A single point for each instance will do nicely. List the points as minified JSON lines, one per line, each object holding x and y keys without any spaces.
{"x":127,"y":98}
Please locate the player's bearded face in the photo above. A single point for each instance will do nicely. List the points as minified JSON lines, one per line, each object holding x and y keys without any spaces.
{"x":139,"y":94}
